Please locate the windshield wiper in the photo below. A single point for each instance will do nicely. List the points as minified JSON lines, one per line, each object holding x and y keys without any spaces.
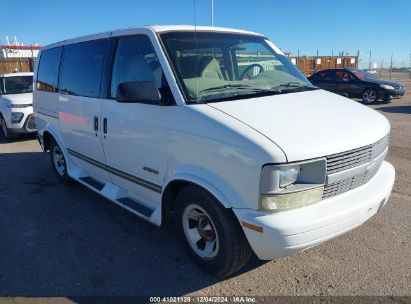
{"x":296,"y":85}
{"x":226,"y":86}
{"x":252,"y":92}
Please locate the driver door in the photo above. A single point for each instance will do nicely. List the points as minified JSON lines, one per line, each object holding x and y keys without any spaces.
{"x":347,"y":84}
{"x":135,"y":133}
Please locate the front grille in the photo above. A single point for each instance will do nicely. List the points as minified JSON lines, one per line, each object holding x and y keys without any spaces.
{"x":351,"y":182}
{"x":31,"y":123}
{"x":353,"y":158}
{"x":350,"y":159}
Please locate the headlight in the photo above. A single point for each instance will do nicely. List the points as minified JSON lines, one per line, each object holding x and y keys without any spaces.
{"x":16,"y":117}
{"x":288,"y":175}
{"x":290,"y":186}
{"x":387,"y":87}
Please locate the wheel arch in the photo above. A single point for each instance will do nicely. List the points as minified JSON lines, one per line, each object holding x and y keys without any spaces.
{"x":180,"y":181}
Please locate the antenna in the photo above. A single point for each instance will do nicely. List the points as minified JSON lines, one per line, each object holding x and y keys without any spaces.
{"x":197,"y":54}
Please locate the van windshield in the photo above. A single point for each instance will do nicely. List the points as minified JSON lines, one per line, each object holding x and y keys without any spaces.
{"x":17,"y":85}
{"x":213,"y":66}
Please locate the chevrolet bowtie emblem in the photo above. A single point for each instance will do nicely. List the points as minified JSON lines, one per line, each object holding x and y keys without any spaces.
{"x":371,"y":165}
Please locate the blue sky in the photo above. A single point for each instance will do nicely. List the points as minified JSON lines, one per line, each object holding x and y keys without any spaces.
{"x":350,"y":25}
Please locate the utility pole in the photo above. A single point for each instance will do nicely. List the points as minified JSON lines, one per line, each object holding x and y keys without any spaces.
{"x":212,"y":12}
{"x":392,"y":55}
{"x":369,"y":62}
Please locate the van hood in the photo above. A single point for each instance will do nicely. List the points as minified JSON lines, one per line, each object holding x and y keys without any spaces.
{"x":24,"y":98}
{"x":309,"y":124}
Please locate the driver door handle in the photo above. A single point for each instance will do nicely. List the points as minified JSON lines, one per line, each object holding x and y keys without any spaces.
{"x":105,"y":125}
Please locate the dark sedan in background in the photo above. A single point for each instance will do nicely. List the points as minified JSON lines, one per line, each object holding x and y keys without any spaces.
{"x":356,"y":83}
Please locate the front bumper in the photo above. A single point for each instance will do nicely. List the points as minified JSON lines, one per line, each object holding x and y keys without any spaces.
{"x":288,"y":232}
{"x":26,"y":124}
{"x":397,"y":93}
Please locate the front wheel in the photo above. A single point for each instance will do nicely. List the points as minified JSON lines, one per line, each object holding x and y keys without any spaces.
{"x":211,"y":234}
{"x":370,"y":96}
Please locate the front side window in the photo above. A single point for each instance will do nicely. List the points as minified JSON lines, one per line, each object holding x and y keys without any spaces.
{"x":362,"y":75}
{"x":343,"y":76}
{"x":48,"y":70}
{"x":135,"y":60}
{"x":17,"y":85}
{"x":81,"y":68}
{"x":214,"y":66}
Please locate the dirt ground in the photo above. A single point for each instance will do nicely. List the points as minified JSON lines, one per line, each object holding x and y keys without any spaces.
{"x":58,"y":240}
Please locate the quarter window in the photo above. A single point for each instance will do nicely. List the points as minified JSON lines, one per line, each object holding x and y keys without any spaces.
{"x":48,"y":70}
{"x":136,"y":60}
{"x":81,"y":68}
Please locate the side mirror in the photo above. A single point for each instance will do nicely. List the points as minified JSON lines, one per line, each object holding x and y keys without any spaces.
{"x":138,"y":91}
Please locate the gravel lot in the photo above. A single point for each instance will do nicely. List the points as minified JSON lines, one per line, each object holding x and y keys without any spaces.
{"x":61,"y":240}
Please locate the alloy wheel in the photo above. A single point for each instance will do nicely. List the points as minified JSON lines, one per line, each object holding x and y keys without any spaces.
{"x":369,"y":96}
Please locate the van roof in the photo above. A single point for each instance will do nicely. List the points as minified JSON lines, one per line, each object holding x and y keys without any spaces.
{"x":153,"y":28}
{"x":166,"y":28}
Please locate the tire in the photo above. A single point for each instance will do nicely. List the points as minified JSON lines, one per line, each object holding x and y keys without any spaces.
{"x":370,"y":96}
{"x":220,"y":250}
{"x":59,"y":164}
{"x":8,"y":135}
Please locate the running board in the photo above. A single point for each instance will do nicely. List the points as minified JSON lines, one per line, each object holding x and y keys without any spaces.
{"x":92,"y":183}
{"x":136,"y":206}
{"x":120,"y":197}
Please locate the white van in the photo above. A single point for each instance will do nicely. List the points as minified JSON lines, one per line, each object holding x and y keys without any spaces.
{"x":16,"y":104}
{"x":217,"y":128}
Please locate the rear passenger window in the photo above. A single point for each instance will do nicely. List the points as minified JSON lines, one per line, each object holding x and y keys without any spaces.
{"x":81,"y":68}
{"x":325,"y":75}
{"x":48,"y":70}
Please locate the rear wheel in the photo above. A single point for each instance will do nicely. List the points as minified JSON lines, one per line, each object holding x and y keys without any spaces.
{"x":211,"y":234}
{"x":370,"y":96}
{"x":6,"y":131}
{"x":59,"y":163}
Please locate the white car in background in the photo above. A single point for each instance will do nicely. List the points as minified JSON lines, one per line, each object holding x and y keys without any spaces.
{"x":16,"y":104}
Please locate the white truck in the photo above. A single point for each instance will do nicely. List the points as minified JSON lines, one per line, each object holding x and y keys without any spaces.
{"x":187,"y":122}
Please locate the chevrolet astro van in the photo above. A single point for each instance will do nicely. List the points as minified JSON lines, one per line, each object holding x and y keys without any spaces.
{"x":216,"y":128}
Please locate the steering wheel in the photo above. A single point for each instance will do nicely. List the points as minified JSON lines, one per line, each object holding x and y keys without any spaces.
{"x":249,"y":68}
